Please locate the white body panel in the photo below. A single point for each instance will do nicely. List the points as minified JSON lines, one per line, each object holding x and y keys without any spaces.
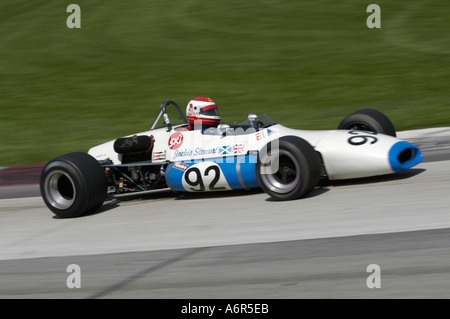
{"x":344,"y":160}
{"x":345,"y":154}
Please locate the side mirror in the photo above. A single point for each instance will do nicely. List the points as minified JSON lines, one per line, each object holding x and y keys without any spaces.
{"x":252,"y":120}
{"x":223,"y":129}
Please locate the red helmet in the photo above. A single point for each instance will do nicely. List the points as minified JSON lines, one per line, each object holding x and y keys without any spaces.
{"x":204,"y":111}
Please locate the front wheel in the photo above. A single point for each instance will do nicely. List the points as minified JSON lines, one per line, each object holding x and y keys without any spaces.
{"x":368,"y":120}
{"x":73,"y":185}
{"x":288,"y":168}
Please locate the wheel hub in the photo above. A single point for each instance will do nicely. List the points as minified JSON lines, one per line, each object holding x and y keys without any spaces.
{"x":60,"y":189}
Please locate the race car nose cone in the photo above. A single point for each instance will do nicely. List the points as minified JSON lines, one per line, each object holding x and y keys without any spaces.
{"x":404,"y":155}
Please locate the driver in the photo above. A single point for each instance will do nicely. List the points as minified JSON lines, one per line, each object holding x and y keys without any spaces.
{"x":202,"y":113}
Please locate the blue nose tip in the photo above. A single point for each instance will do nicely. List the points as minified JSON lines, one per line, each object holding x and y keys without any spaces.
{"x":404,"y":155}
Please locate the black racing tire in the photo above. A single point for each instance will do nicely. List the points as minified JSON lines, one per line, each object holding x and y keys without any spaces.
{"x":368,"y":120}
{"x":73,"y":185}
{"x":298,"y":170}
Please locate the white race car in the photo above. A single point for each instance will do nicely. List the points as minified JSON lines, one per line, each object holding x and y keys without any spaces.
{"x":255,"y":153}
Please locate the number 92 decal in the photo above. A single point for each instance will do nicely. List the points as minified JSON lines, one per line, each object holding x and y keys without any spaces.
{"x":359,"y":138}
{"x":204,"y":177}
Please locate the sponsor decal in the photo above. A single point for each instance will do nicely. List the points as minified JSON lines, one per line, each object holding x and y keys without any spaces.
{"x":199,"y":151}
{"x":264,"y":134}
{"x":260,"y":136}
{"x":217,"y":151}
{"x":181,"y":166}
{"x":175,"y":141}
{"x":159,"y":156}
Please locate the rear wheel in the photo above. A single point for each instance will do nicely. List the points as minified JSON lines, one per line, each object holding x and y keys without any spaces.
{"x":368,"y":120}
{"x":290,"y":170}
{"x":73,"y":185}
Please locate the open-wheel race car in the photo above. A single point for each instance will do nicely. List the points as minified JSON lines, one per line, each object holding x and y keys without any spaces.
{"x":255,"y":153}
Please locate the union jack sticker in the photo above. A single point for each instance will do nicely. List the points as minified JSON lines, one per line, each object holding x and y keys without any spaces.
{"x":238,"y":149}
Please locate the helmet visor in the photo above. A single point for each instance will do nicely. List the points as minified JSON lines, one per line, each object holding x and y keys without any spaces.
{"x":210,"y":110}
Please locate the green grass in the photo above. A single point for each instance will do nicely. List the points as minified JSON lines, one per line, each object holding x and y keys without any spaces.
{"x":305,"y":63}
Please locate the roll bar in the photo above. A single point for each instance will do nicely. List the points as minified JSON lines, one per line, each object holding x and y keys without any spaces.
{"x":163,"y":113}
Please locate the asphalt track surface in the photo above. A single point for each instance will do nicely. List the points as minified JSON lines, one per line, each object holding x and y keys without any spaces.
{"x":242,"y":244}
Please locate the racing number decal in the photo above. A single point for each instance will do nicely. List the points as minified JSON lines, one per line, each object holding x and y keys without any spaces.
{"x":198,"y":181}
{"x":359,"y":139}
{"x":212,"y":185}
{"x":207,"y":181}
